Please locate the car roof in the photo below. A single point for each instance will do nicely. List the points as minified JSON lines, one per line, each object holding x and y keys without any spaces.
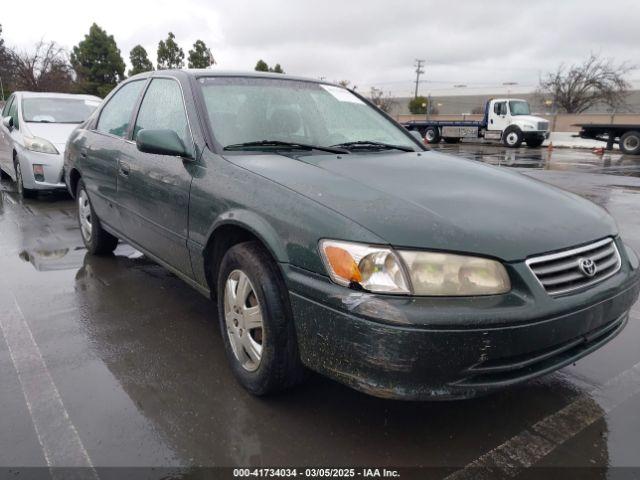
{"x":26,"y":94}
{"x":194,"y":72}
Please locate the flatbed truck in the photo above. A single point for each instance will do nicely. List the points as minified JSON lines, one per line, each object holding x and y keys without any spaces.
{"x":626,"y":136}
{"x":507,"y":120}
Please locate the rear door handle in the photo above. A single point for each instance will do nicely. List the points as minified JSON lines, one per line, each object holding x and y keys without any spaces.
{"x":124,"y":169}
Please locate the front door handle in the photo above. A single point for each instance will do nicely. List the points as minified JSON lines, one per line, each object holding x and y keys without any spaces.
{"x":124,"y":169}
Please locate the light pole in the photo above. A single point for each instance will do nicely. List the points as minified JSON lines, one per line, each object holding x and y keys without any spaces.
{"x":509,"y":84}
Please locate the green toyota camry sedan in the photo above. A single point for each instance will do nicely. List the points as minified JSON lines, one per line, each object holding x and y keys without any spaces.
{"x":330,"y":239}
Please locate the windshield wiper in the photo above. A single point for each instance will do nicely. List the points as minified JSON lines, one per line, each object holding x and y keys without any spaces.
{"x":373,"y":144}
{"x":279,"y":143}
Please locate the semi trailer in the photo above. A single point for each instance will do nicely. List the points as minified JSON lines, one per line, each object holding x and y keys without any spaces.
{"x":626,"y":136}
{"x":507,"y":120}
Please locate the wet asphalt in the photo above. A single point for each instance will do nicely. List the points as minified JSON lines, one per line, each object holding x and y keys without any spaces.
{"x":134,"y":363}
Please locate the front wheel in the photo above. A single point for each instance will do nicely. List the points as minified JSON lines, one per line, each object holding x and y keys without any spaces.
{"x":22,"y":192}
{"x":97,"y":240}
{"x":256,"y":321}
{"x":512,"y":137}
{"x":630,"y":143}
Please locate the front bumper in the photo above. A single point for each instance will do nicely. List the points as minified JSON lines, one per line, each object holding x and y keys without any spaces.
{"x":52,"y":165}
{"x":439,"y":348}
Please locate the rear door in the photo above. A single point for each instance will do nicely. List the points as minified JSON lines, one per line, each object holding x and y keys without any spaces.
{"x":153,"y":189}
{"x":101,"y":148}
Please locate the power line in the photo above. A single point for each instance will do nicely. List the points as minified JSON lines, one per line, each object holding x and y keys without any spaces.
{"x":418,"y":64}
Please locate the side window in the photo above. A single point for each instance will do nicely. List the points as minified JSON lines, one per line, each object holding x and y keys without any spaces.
{"x":115,"y":115}
{"x":7,"y":106}
{"x":162,"y":108}
{"x":500,"y":108}
{"x":13,"y":113}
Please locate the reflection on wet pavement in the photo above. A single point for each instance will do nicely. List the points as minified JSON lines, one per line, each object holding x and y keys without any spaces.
{"x":138,"y":360}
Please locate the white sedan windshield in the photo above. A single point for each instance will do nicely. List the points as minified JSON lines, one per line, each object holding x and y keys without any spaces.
{"x":249,"y":109}
{"x":57,"y":110}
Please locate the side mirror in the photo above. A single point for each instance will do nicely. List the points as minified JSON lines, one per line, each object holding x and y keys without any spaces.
{"x":161,"y":142}
{"x":8,"y":122}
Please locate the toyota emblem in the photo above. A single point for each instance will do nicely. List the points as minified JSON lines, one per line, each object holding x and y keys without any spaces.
{"x":588,"y":267}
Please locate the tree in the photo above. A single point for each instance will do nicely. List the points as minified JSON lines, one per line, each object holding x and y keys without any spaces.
{"x":262,"y":66}
{"x":139,"y":61}
{"x":576,"y":88}
{"x":170,"y":55}
{"x":381,"y":100}
{"x":200,"y":56}
{"x":47,"y":68}
{"x":97,"y":62}
{"x":6,"y":68}
{"x":418,"y":105}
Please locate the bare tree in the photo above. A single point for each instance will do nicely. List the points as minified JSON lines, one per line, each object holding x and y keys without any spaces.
{"x":381,"y":100}
{"x":576,"y":88}
{"x":46,"y":68}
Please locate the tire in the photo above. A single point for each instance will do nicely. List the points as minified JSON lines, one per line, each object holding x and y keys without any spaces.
{"x":278,"y":365}
{"x":535,"y":142}
{"x":97,"y":240}
{"x":452,"y":139}
{"x":630,"y":143}
{"x":22,"y":192}
{"x":432,"y":135}
{"x":512,"y":137}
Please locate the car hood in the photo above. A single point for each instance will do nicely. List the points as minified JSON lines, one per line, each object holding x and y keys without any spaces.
{"x":435,"y":201}
{"x":56,"y":133}
{"x":528,"y":119}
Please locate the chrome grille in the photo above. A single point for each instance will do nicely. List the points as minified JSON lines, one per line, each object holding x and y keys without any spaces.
{"x":543,"y":126}
{"x":561,"y":272}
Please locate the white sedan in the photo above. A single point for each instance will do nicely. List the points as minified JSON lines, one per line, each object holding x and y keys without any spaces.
{"x":33,"y":135}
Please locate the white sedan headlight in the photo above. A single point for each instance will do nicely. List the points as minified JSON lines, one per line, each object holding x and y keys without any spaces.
{"x":382,"y":270}
{"x":37,"y":144}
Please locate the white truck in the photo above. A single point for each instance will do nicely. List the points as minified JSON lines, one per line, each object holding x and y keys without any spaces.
{"x":508,"y":120}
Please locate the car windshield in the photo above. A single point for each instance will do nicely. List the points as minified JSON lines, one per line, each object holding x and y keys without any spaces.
{"x":519,"y":107}
{"x":249,"y":109}
{"x":57,"y":110}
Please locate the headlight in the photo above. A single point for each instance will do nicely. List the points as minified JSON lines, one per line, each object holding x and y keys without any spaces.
{"x":375,"y":269}
{"x":382,"y":270}
{"x":37,"y":144}
{"x":447,"y":274}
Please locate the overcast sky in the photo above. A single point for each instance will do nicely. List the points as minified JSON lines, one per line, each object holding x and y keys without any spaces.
{"x":481,"y":44}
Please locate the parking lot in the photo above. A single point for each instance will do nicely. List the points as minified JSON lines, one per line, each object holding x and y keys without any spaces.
{"x":114,"y":361}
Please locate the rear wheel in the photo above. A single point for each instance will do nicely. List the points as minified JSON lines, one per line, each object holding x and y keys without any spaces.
{"x":535,"y":142}
{"x":630,"y":143}
{"x":432,"y":135}
{"x":512,"y":137}
{"x":97,"y":240}
{"x":452,"y":139}
{"x":256,"y":321}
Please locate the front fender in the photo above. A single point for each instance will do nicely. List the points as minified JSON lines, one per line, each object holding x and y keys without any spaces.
{"x":257,"y":225}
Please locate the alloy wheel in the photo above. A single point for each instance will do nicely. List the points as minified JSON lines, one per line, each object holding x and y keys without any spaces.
{"x":84,"y":214}
{"x":243,"y":319}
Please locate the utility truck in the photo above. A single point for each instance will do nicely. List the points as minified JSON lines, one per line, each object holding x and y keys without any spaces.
{"x":508,"y":120}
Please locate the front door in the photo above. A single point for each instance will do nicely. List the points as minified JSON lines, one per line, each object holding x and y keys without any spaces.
{"x":153,"y":189}
{"x":499,"y":116}
{"x":5,"y":140}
